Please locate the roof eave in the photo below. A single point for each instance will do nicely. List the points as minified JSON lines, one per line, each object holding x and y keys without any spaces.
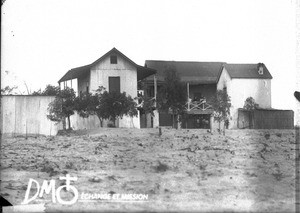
{"x":70,"y":76}
{"x":144,"y":72}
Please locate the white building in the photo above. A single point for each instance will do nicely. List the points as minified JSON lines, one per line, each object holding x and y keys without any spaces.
{"x":243,"y":81}
{"x":204,"y":79}
{"x":115,"y":72}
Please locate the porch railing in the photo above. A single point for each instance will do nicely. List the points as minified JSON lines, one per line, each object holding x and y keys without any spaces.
{"x":198,"y":105}
{"x":141,"y":103}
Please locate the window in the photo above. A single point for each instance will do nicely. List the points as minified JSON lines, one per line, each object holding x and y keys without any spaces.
{"x":114,"y":84}
{"x":113,"y":59}
{"x":261,"y":70}
{"x":150,"y":91}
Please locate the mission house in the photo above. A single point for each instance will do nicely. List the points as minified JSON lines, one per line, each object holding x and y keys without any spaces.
{"x":116,"y":72}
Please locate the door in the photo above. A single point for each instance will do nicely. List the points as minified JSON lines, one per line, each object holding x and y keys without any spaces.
{"x":114,"y":84}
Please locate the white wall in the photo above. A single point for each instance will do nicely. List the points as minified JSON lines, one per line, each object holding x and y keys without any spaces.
{"x":259,"y":89}
{"x":77,"y":122}
{"x":128,"y":82}
{"x":26,"y":115}
{"x":155,"y":119}
{"x":224,"y":81}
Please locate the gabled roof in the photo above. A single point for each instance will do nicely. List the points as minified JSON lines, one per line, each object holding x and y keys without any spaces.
{"x":78,"y":72}
{"x":188,"y":71}
{"x":247,"y":71}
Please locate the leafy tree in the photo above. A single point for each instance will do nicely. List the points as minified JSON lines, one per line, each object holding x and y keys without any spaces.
{"x":106,"y":105}
{"x":8,"y":90}
{"x":250,"y":104}
{"x":39,"y":92}
{"x":62,"y":107}
{"x":147,"y":104}
{"x":88,"y":104}
{"x":49,"y":90}
{"x":55,"y":112}
{"x":172,"y":94}
{"x":115,"y":105}
{"x":221,"y":104}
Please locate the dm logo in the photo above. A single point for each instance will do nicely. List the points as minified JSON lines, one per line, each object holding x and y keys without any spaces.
{"x":51,"y":186}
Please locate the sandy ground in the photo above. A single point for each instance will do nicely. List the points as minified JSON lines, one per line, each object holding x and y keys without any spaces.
{"x":182,"y":170}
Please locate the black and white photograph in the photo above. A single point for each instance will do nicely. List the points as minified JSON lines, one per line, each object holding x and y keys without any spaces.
{"x":150,"y":106}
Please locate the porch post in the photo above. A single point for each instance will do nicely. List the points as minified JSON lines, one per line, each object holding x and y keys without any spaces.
{"x":155,"y":89}
{"x":188,"y":94}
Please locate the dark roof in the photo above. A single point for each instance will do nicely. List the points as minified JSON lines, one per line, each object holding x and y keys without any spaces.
{"x":247,"y":71}
{"x":192,"y":72}
{"x":78,"y":72}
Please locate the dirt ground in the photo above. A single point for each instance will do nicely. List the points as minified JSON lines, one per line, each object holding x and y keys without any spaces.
{"x":182,"y":170}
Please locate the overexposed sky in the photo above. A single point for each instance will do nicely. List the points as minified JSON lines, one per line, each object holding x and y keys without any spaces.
{"x":42,"y":40}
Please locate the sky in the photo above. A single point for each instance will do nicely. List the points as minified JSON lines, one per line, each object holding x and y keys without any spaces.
{"x":42,"y":40}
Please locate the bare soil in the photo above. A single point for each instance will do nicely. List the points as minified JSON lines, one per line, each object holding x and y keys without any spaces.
{"x":182,"y":170}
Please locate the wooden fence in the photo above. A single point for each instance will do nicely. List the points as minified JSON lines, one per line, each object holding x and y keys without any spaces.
{"x":26,"y":115}
{"x":266,"y":119}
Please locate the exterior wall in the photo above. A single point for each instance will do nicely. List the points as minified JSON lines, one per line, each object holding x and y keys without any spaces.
{"x":26,"y":115}
{"x":77,"y":122}
{"x":214,"y":124}
{"x":92,"y":122}
{"x":259,"y":89}
{"x":155,"y":119}
{"x":224,"y":81}
{"x":128,"y":82}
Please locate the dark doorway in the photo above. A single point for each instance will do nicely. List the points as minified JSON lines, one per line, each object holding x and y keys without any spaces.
{"x":114,"y":84}
{"x":198,"y":121}
{"x":143,"y":119}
